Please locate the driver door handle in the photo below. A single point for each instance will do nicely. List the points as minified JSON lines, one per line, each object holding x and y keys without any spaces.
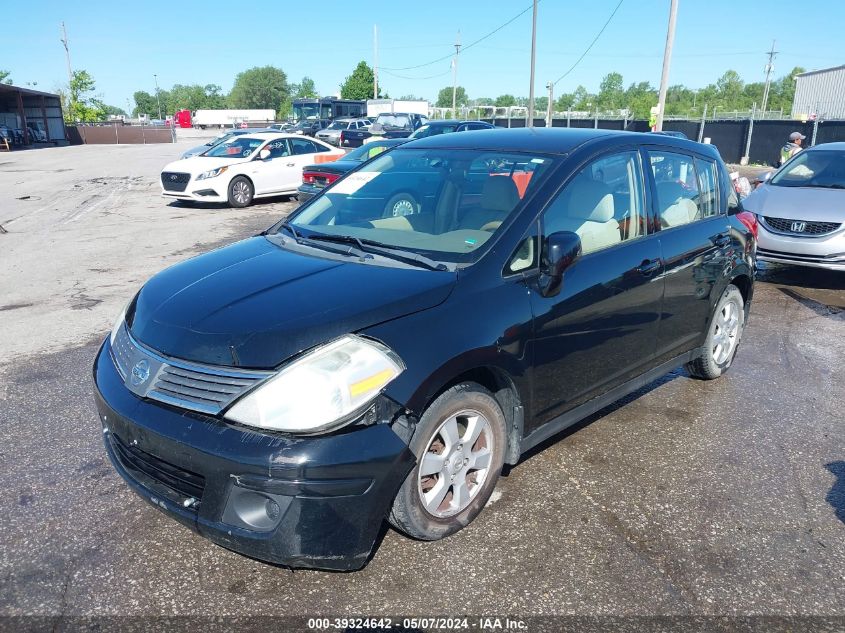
{"x":290,"y":164}
{"x":648,"y":266}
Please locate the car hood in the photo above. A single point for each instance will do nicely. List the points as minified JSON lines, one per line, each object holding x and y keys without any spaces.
{"x":797,"y":203}
{"x":199,"y":164}
{"x":254,"y":304}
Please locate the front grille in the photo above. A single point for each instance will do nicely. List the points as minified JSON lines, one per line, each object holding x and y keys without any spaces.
{"x":809,"y":228}
{"x":175,"y":181}
{"x":183,"y":482}
{"x":795,"y":257}
{"x":204,"y":388}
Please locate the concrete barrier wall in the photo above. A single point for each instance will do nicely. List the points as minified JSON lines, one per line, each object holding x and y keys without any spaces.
{"x":119,"y":134}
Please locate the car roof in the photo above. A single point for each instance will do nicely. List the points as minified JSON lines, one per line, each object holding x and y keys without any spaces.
{"x":266,"y":136}
{"x":837,"y":146}
{"x":547,"y":140}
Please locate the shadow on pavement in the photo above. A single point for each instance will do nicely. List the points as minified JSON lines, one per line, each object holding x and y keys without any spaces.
{"x":836,"y":496}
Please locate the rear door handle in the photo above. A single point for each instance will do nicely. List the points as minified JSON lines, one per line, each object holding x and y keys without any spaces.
{"x":722,"y":240}
{"x":648,"y":266}
{"x":290,"y":164}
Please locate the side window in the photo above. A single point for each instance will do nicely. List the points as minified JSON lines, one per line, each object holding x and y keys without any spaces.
{"x":708,"y":184}
{"x":603,"y":203}
{"x":304,"y":146}
{"x":278,"y":148}
{"x":678,"y":194}
{"x":525,"y":255}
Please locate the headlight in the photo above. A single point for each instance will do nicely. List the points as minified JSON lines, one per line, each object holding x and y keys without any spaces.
{"x":212,"y":173}
{"x":321,"y":390}
{"x":117,"y":324}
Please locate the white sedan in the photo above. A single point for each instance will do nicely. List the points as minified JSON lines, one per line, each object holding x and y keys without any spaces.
{"x":244,"y":168}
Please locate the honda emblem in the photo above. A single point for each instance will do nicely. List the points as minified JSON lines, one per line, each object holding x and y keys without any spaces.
{"x":798,"y":227}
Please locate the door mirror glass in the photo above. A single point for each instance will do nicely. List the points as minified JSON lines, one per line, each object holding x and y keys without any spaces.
{"x":561,"y":251}
{"x":264,"y":154}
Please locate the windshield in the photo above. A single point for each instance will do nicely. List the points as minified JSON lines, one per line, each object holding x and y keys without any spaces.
{"x":444,"y":204}
{"x":393,"y":120}
{"x":235,"y":147}
{"x":813,"y":168}
{"x":433,"y":130}
{"x":306,"y":111}
{"x":339,"y":125}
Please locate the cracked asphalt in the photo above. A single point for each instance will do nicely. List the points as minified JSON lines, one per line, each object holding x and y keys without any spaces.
{"x":687,"y":498}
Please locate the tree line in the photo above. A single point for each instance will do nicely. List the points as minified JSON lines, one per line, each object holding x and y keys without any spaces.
{"x":728,"y":94}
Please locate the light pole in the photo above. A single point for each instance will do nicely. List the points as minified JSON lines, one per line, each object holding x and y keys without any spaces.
{"x":533,"y":56}
{"x":667,"y":59}
{"x":158,"y":98}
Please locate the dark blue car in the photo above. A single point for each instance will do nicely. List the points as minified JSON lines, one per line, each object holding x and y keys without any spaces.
{"x":287,"y":394}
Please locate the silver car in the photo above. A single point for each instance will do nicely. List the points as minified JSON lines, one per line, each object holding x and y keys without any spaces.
{"x":331,"y":134}
{"x":801,"y":210}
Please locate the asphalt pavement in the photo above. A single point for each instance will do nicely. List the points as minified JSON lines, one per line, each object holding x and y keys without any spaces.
{"x":688,"y":498}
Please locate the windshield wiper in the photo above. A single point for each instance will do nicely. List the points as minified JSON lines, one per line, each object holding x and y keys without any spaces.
{"x":386,"y":250}
{"x":308,"y":241}
{"x":833,"y":185}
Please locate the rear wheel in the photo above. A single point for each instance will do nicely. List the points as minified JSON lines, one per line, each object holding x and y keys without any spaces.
{"x":723,"y":337}
{"x":459,"y":444}
{"x":400,"y":205}
{"x":240,"y":192}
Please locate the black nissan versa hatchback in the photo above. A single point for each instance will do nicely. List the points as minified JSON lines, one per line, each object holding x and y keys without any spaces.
{"x":287,"y":393}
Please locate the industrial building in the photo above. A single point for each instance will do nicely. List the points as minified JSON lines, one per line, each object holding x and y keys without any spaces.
{"x":820,"y":94}
{"x":37,"y":114}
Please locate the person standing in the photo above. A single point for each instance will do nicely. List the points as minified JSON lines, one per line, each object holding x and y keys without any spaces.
{"x":792,"y":147}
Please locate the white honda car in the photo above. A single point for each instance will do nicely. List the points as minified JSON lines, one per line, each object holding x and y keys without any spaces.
{"x":246,"y":167}
{"x":801,"y":210}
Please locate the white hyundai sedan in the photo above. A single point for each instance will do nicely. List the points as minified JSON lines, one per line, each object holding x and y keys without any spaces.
{"x":244,"y":168}
{"x":801,"y":210}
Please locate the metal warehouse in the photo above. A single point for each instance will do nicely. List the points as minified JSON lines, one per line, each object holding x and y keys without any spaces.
{"x":820,"y":93}
{"x":29,"y":110}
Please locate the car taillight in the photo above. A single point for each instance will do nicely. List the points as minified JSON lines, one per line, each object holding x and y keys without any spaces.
{"x":311,"y":178}
{"x":342,"y":136}
{"x":749,"y":220}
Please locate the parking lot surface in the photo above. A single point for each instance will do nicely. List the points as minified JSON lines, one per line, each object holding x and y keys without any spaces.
{"x":689,"y":497}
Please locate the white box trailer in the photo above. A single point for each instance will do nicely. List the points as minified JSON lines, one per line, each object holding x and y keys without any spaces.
{"x":381,"y":106}
{"x":232,"y":118}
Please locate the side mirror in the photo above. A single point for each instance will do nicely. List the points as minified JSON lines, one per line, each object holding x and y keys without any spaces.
{"x":561,"y":250}
{"x":264,"y":154}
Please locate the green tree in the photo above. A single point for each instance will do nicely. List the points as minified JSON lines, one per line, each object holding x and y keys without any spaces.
{"x":541,"y":104}
{"x":582,"y":100}
{"x":730,"y":87}
{"x":359,"y":85}
{"x":564,"y":102}
{"x":484,"y":101}
{"x":783,"y":93}
{"x":4,"y":77}
{"x":640,"y":98}
{"x":504,"y":101}
{"x":214,"y":97}
{"x":305,"y":89}
{"x":410,"y":97}
{"x":145,"y":103}
{"x":611,"y":92}
{"x":82,"y":105}
{"x":182,"y":97}
{"x":444,"y":97}
{"x":110,"y":110}
{"x":260,"y":88}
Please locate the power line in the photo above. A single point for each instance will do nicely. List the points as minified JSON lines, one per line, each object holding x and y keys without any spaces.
{"x":479,"y":40}
{"x":387,"y":72}
{"x":595,"y":39}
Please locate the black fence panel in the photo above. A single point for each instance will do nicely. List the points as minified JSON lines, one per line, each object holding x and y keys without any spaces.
{"x":768,"y":137}
{"x":830,"y":132}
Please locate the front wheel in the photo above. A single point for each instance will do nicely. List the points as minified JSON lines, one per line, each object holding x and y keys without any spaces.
{"x":723,"y":337}
{"x":400,"y":205}
{"x":240,"y":192}
{"x":459,"y":444}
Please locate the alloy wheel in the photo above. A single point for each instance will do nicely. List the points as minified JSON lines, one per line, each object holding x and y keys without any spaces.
{"x":726,"y":332}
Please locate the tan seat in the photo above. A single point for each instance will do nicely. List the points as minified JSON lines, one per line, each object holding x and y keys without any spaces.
{"x":499,"y":196}
{"x":587,"y":209}
{"x":675,"y":208}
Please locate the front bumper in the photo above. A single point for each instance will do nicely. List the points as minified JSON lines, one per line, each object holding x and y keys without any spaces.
{"x":208,"y":190}
{"x":314,"y":502}
{"x":331,"y":139}
{"x":827,"y":251}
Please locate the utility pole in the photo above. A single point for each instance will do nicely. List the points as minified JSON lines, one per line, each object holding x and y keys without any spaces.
{"x":455,"y":74}
{"x":375,"y":61}
{"x":158,"y":98}
{"x":769,"y":68}
{"x":533,"y":55}
{"x":667,"y":60}
{"x":67,"y":54}
{"x":551,"y":110}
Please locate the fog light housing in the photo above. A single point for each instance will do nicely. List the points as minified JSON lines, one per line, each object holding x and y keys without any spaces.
{"x":254,"y":510}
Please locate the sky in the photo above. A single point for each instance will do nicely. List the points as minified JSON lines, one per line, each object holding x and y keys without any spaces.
{"x":124,"y":45}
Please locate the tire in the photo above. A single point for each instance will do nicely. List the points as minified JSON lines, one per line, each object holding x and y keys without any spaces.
{"x":400,"y":205}
{"x":726,"y":327}
{"x":240,"y":192}
{"x":454,"y":414}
